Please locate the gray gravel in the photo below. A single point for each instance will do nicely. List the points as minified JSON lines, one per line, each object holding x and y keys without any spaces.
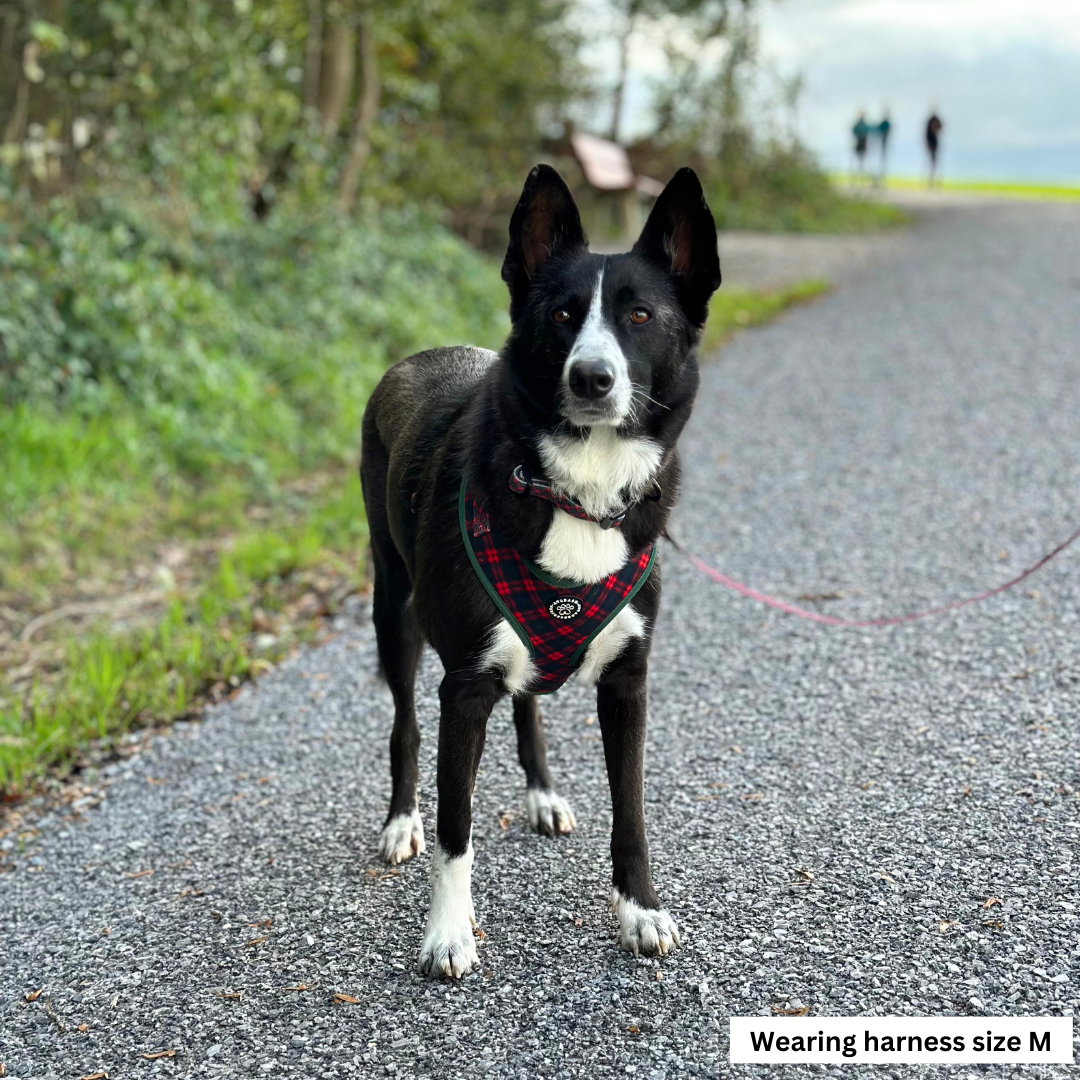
{"x":830,"y":811}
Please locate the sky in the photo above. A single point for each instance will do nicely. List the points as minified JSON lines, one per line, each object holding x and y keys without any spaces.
{"x":1003,"y":75}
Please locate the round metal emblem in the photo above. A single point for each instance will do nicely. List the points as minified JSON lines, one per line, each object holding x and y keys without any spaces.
{"x":565,"y":608}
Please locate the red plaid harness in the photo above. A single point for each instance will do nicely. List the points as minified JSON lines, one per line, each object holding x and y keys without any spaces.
{"x":556,"y":620}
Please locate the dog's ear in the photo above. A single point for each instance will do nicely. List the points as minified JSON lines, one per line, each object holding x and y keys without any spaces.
{"x":680,"y":236}
{"x":546,"y":222}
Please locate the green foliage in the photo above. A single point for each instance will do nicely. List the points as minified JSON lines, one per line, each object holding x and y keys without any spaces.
{"x":780,"y":188}
{"x":237,"y":348}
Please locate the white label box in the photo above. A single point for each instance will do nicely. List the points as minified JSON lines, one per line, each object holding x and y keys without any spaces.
{"x":901,"y":1040}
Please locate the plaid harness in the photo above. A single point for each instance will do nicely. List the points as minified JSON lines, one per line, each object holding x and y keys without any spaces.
{"x":556,"y":620}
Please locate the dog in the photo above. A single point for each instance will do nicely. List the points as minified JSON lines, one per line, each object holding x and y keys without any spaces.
{"x":514,"y":501}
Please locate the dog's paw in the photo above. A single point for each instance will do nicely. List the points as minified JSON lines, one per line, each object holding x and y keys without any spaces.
{"x":643,"y":931}
{"x":448,"y":950}
{"x":402,"y":838}
{"x":549,"y":813}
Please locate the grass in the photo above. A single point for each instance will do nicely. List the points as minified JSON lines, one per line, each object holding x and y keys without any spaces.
{"x":167,"y":587}
{"x":1059,"y":192}
{"x":737,"y":309}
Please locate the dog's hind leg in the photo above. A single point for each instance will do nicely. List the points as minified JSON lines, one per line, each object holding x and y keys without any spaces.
{"x":400,"y":644}
{"x":549,"y":813}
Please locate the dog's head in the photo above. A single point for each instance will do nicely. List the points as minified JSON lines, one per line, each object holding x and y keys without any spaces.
{"x":608,"y":340}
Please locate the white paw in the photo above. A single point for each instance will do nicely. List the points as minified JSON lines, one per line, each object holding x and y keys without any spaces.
{"x":448,"y":950}
{"x":449,"y":947}
{"x":549,"y":813}
{"x":402,"y":838}
{"x":643,"y":931}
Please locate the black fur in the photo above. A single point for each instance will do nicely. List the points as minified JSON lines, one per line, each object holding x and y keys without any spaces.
{"x":439,"y":412}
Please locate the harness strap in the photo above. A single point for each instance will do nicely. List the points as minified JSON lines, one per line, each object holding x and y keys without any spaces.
{"x":523,"y":484}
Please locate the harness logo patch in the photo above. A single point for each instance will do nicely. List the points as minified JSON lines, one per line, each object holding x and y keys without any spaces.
{"x":565,"y":608}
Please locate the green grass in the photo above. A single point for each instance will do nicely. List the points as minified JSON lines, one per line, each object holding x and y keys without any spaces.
{"x":737,"y":309}
{"x":1060,"y":192}
{"x":205,"y":640}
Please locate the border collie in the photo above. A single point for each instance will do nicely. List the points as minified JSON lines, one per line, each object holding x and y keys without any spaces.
{"x":514,"y":501}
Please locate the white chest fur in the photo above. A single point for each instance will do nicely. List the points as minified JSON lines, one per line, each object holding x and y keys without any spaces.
{"x":600,"y":470}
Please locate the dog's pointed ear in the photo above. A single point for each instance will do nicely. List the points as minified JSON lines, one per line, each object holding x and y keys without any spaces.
{"x":546,"y":222}
{"x":680,"y":236}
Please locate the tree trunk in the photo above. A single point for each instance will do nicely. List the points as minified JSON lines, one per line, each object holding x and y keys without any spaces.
{"x":367,"y":107}
{"x":313,"y":50}
{"x":336,"y":71}
{"x":624,"y":63}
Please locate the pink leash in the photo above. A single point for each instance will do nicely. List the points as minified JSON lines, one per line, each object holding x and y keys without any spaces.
{"x":829,"y":620}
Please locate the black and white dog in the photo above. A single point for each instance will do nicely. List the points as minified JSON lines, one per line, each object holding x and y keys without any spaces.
{"x":514,"y":501}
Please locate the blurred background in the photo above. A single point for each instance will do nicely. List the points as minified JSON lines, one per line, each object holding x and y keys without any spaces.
{"x":220,"y":220}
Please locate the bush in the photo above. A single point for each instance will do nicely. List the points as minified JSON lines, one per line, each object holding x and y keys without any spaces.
{"x":238,"y":347}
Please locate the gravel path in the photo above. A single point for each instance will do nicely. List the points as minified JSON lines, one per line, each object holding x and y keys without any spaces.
{"x":831,"y":812}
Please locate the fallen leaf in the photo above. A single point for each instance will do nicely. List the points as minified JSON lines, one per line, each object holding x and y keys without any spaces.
{"x":754,"y":796}
{"x":264,"y":780}
{"x":736,"y":749}
{"x":994,"y":923}
{"x":791,"y":1012}
{"x":578,"y":923}
{"x":884,"y":877}
{"x":78,"y":1027}
{"x":659,"y":976}
{"x":33,"y":995}
{"x":256,"y":941}
{"x":478,"y":933}
{"x":190,"y":890}
{"x":634,"y":1030}
{"x":141,"y":873}
{"x":229,"y":995}
{"x":717,"y":783}
{"x":945,"y":925}
{"x":179,"y":865}
{"x":159,"y":1054}
{"x":153,"y":780}
{"x":298,"y":987}
{"x":345,"y":999}
{"x":265,"y":923}
{"x":991,"y":902}
{"x":96,"y":1076}
{"x":966,"y":790}
{"x":504,"y":821}
{"x":922,"y":730}
{"x":107,"y":931}
{"x":868,"y":784}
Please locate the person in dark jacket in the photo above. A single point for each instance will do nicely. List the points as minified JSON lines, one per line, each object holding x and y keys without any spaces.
{"x":883,"y":130}
{"x":933,"y":133}
{"x":861,"y":131}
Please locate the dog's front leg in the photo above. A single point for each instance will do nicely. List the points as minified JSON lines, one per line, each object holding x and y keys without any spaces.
{"x":644,"y":927}
{"x":449,"y":947}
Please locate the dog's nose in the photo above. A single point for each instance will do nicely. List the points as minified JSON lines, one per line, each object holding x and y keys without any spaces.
{"x":591,"y":379}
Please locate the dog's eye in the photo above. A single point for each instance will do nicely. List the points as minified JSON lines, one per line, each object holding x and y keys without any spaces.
{"x":561,"y":315}
{"x":639,"y":316}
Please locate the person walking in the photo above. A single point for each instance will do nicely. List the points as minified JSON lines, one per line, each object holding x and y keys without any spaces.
{"x":883,"y":130}
{"x":861,"y":131}
{"x":933,"y":132}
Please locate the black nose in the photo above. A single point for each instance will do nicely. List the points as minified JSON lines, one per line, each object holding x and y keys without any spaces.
{"x":591,"y":379}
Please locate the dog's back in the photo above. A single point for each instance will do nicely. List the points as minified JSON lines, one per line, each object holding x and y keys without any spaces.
{"x":404,"y":429}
